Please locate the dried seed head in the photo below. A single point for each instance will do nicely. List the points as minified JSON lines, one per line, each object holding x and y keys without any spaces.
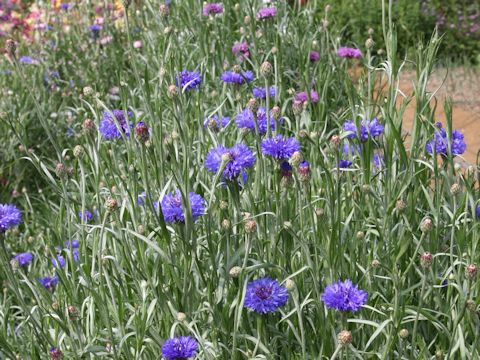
{"x":235,"y":272}
{"x":344,"y":337}
{"x":426,"y":259}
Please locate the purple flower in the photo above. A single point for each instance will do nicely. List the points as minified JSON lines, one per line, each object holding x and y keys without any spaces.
{"x":344,"y":296}
{"x":245,"y":120}
{"x":23,"y":258}
{"x":280,"y":147}
{"x":314,"y":56}
{"x":266,"y":12}
{"x":172,"y":207}
{"x":343,"y":164}
{"x":303,"y":96}
{"x":350,"y":149}
{"x":346,"y":52}
{"x":240,"y":158}
{"x":265,"y":295}
{"x":440,"y":142}
{"x":237,"y":78}
{"x":58,"y":261}
{"x":49,"y":283}
{"x":56,"y":353}
{"x":212,"y":8}
{"x":241,"y":50}
{"x":214,"y":123}
{"x":10,"y":216}
{"x":65,"y":6}
{"x":28,"y":60}
{"x":85,"y":216}
{"x":114,"y":123}
{"x":95,"y":29}
{"x":179,"y":348}
{"x":189,"y":79}
{"x":477,"y":211}
{"x":261,"y":93}
{"x":285,"y":169}
{"x":368,"y":128}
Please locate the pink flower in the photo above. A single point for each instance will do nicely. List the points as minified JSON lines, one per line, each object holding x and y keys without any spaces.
{"x":302,"y":96}
{"x":137,"y":44}
{"x":346,"y":52}
{"x":105,"y":40}
{"x":266,"y":13}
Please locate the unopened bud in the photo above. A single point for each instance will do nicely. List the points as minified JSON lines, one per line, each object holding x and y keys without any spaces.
{"x":403,"y":333}
{"x":296,"y":159}
{"x":88,"y":125}
{"x":172,"y":91}
{"x":266,"y":69}
{"x":360,"y":235}
{"x":250,"y":226}
{"x":471,"y":271}
{"x":455,"y":189}
{"x":72,"y":312}
{"x":400,"y":205}
{"x":181,"y":317}
{"x":87,"y":91}
{"x":226,"y":224}
{"x":10,"y":46}
{"x":142,"y":132}
{"x":276,"y":112}
{"x":376,"y":263}
{"x":344,"y":337}
{"x":78,"y":151}
{"x":235,"y":272}
{"x":290,"y":285}
{"x":471,"y":305}
{"x":335,"y":140}
{"x":369,"y":43}
{"x":111,"y":204}
{"x":164,"y":10}
{"x":253,"y":105}
{"x":61,"y":171}
{"x":426,"y":259}
{"x":426,"y":225}
{"x":141,"y":229}
{"x":237,"y":69}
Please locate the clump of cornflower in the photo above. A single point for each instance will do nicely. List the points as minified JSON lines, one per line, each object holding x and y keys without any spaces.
{"x":440,"y":142}
{"x":371,"y":128}
{"x":10,"y":216}
{"x":314,"y":56}
{"x":49,"y":283}
{"x":179,"y":348}
{"x":172,"y":208}
{"x":265,"y":295}
{"x":85,"y":216}
{"x":212,"y":8}
{"x":245,"y":120}
{"x":235,"y":160}
{"x":215,"y":123}
{"x":303,"y":96}
{"x":114,"y":124}
{"x":233,"y":77}
{"x":23,"y":259}
{"x":261,"y":93}
{"x":266,"y":12}
{"x":279,"y":147}
{"x":189,"y":79}
{"x":351,"y":53}
{"x":344,"y":296}
{"x":241,"y":50}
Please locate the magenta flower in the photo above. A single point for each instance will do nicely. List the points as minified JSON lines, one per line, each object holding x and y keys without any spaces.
{"x":351,"y":53}
{"x":266,"y":13}
{"x":314,"y":56}
{"x":212,"y":8}
{"x":303,"y":96}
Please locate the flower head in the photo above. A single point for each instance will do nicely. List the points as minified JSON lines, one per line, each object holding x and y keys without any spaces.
{"x":240,"y":158}
{"x":28,"y":60}
{"x":179,"y":348}
{"x":347,"y":52}
{"x":440,"y":142}
{"x":266,"y":12}
{"x":237,"y":78}
{"x":85,"y":216}
{"x":49,"y":283}
{"x":189,"y":79}
{"x":314,"y":56}
{"x":245,"y":119}
{"x":212,"y":8}
{"x":114,"y":124}
{"x":280,"y":147}
{"x":368,"y":128}
{"x":265,"y":295}
{"x":10,"y":216}
{"x":261,"y":93}
{"x":172,"y":207}
{"x":343,"y":164}
{"x":344,"y":296}
{"x":23,"y":258}
{"x":303,"y":96}
{"x":241,"y":50}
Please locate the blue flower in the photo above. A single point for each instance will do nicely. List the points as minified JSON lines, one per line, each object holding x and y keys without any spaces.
{"x":179,"y":348}
{"x":477,"y":211}
{"x":72,"y":244}
{"x":114,"y":123}
{"x":49,"y":283}
{"x":240,"y":158}
{"x":344,"y":296}
{"x":28,"y":60}
{"x":95,"y":28}
{"x":368,"y":128}
{"x":23,"y":258}
{"x":245,"y":120}
{"x":189,"y":79}
{"x":85,"y":216}
{"x":261,"y":93}
{"x":440,"y":142}
{"x":343,"y":164}
{"x":59,"y":261}
{"x":237,"y":78}
{"x":265,"y":295}
{"x":172,"y":208}
{"x":214,"y":123}
{"x":10,"y":216}
{"x":280,"y":147}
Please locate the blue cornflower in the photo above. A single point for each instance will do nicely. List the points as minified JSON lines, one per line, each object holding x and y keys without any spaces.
{"x":65,"y":6}
{"x":28,"y":60}
{"x":368,"y":128}
{"x":265,"y":295}
{"x":237,"y":78}
{"x":10,"y":216}
{"x":172,"y":208}
{"x":215,"y":123}
{"x":58,"y":261}
{"x":344,"y":296}
{"x":189,"y":79}
{"x":23,"y":258}
{"x":440,"y":142}
{"x":114,"y":123}
{"x":85,"y":216}
{"x":343,"y":164}
{"x":280,"y":147}
{"x":245,"y":120}
{"x":142,"y":198}
{"x":239,"y":158}
{"x":95,"y":28}
{"x":261,"y":93}
{"x":49,"y":283}
{"x":179,"y":348}
{"x":72,"y":244}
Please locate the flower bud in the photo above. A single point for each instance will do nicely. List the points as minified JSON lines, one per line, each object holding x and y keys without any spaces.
{"x":88,"y":125}
{"x":250,"y":226}
{"x":455,"y":189}
{"x":181,"y":317}
{"x":237,"y":69}
{"x":276,"y":112}
{"x":400,"y":205}
{"x":72,"y":312}
{"x":78,"y":151}
{"x":223,"y":205}
{"x":226,"y":224}
{"x":10,"y":46}
{"x":328,"y":8}
{"x":61,"y":171}
{"x":164,"y":10}
{"x":55,"y":353}
{"x":344,"y":337}
{"x":87,"y":91}
{"x":297,"y":107}
{"x":403,"y":333}
{"x":369,"y":43}
{"x":253,"y":105}
{"x":335,"y":140}
{"x":172,"y":91}
{"x":471,"y":305}
{"x":426,"y":225}
{"x":266,"y":69}
{"x":304,"y":171}
{"x":471,"y":271}
{"x":360,"y":235}
{"x":296,"y":159}
{"x":141,"y":229}
{"x":376,"y":263}
{"x":247,"y":20}
{"x":111,"y":204}
{"x":290,"y":285}
{"x":235,"y":272}
{"x":319,"y":212}
{"x":426,"y":259}
{"x":142,"y":132}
